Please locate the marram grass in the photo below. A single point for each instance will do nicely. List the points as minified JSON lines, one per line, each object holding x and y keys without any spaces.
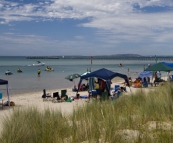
{"x":142,"y":117}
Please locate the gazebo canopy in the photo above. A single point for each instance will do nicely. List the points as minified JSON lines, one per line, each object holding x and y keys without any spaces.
{"x":2,"y":82}
{"x":5,"y":82}
{"x":161,"y":66}
{"x":105,"y":74}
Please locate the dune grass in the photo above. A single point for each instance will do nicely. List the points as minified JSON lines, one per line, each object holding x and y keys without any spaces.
{"x":142,"y":117}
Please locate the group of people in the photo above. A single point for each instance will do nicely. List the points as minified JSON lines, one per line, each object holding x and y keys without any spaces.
{"x":139,"y":82}
{"x":157,"y":77}
{"x":100,"y":86}
{"x":48,"y":68}
{"x":145,"y":81}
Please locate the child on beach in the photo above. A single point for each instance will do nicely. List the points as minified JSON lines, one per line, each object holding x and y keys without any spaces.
{"x":39,"y":71}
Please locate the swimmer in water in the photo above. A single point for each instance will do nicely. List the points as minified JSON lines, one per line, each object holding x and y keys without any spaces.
{"x":120,"y":65}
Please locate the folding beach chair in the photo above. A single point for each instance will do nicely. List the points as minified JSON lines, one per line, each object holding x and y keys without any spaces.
{"x":56,"y":97}
{"x":64,"y":95}
{"x":116,"y":88}
{"x":46,"y":97}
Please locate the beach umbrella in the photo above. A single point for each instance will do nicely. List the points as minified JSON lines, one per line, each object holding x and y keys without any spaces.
{"x":145,"y":74}
{"x":90,"y":81}
{"x":85,"y":73}
{"x":161,"y":66}
{"x":71,"y":77}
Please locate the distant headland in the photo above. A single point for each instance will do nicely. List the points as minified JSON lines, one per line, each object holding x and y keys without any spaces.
{"x":106,"y":57}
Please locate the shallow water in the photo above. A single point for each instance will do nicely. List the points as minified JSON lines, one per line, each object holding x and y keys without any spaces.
{"x":29,"y":81}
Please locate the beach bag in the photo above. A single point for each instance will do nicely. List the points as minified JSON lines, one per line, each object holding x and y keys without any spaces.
{"x":68,"y":100}
{"x":12,"y":103}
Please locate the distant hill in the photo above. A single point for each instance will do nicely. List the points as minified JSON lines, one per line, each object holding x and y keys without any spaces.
{"x":126,"y":55}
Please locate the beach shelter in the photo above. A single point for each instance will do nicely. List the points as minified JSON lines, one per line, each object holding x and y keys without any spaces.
{"x":85,"y":73}
{"x":161,"y":66}
{"x":71,"y":77}
{"x":104,"y":74}
{"x":5,"y":82}
{"x":90,"y":80}
{"x":145,"y":74}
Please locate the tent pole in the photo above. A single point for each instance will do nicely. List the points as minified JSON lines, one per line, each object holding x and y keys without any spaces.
{"x":8,"y":95}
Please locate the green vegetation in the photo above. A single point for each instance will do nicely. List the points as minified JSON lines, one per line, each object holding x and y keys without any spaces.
{"x":141,"y":117}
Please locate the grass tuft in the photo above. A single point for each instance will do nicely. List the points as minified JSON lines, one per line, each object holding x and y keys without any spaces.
{"x":141,"y":117}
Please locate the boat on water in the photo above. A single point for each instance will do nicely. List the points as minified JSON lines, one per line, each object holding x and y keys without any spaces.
{"x":19,"y":70}
{"x":8,"y":72}
{"x":49,"y":69}
{"x":38,"y":64}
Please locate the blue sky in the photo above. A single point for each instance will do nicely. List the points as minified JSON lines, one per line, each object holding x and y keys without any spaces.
{"x":80,"y":27}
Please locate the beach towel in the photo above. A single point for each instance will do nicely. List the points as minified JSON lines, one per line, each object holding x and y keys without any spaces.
{"x":84,"y":96}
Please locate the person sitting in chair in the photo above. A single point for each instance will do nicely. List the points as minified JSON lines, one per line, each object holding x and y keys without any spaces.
{"x":144,"y":82}
{"x":137,"y":83}
{"x":74,"y":88}
{"x":116,"y":94}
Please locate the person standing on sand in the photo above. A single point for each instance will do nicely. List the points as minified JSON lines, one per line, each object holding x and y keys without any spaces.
{"x":39,"y":71}
{"x":97,"y":87}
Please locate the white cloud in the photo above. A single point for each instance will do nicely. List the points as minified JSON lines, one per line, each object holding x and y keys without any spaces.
{"x":116,"y":20}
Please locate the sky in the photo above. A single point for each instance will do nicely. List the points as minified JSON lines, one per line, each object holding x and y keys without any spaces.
{"x":86,"y":27}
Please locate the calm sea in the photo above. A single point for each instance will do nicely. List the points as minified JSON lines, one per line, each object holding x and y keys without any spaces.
{"x":29,"y":81}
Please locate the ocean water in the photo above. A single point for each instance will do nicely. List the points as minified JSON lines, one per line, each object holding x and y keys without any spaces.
{"x":29,"y":81}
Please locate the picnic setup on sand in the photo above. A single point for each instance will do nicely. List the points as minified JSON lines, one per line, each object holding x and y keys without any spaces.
{"x":102,"y":84}
{"x":98,"y":86}
{"x":132,"y":106}
{"x":98,"y":83}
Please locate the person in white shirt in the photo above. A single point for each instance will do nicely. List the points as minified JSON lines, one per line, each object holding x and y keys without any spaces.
{"x":159,"y":75}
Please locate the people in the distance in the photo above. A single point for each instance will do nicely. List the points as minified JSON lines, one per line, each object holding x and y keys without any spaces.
{"x":130,"y":81}
{"x":74,"y":88}
{"x":19,"y":70}
{"x":144,"y":82}
{"x":39,"y":71}
{"x":128,"y":84}
{"x":159,"y":75}
{"x":48,"y":67}
{"x":137,"y":83}
{"x":116,"y":94}
{"x":102,"y":85}
{"x":156,"y":79}
{"x":169,"y":77}
{"x":97,"y":88}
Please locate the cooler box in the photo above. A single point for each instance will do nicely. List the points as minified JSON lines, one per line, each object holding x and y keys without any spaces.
{"x":0,"y":95}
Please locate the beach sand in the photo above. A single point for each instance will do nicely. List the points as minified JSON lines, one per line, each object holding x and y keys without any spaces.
{"x":34,"y":99}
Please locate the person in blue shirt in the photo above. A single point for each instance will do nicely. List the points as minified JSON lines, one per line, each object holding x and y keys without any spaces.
{"x":144,"y":82}
{"x":159,"y":75}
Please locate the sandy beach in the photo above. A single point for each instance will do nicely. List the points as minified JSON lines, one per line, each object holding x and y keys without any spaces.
{"x":34,"y":99}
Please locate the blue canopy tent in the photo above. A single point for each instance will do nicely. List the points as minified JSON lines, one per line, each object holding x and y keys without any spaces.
{"x":5,"y":82}
{"x":106,"y":75}
{"x":168,"y":64}
{"x":145,"y":74}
